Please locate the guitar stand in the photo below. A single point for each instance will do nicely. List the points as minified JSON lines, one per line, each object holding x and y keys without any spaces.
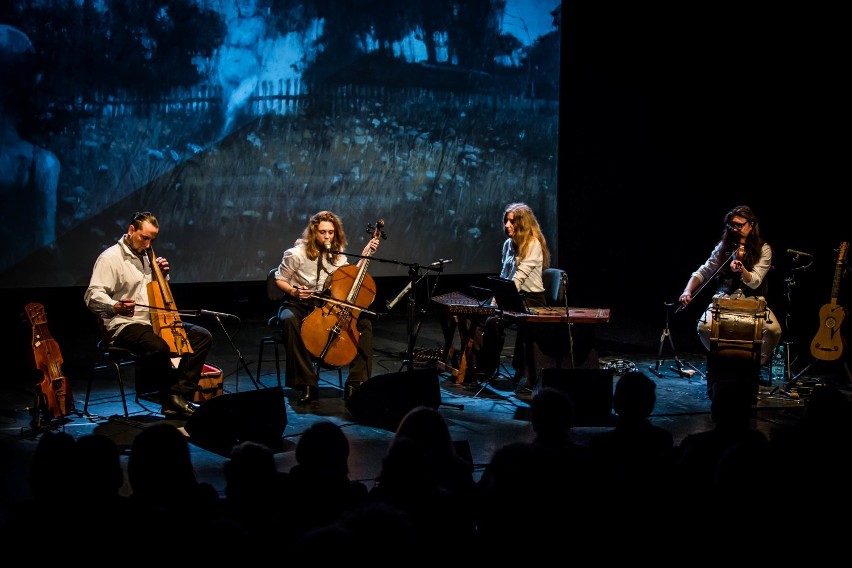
{"x":666,"y":336}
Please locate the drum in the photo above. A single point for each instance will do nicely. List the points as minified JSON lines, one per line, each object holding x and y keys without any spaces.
{"x":737,"y":327}
{"x":736,"y":337}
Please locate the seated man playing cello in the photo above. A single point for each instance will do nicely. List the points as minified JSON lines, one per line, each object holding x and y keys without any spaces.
{"x":302,"y":275}
{"x":123,"y":292}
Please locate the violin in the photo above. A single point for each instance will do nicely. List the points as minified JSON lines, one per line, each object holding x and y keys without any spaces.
{"x":164,"y":313}
{"x":330,"y":332}
{"x":53,"y":394}
{"x":740,"y":252}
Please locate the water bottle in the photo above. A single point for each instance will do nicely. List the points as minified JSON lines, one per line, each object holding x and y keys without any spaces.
{"x":776,"y":367}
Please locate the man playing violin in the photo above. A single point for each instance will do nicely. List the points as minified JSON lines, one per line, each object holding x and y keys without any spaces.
{"x":742,"y":258}
{"x":302,"y":275}
{"x":118,"y":295}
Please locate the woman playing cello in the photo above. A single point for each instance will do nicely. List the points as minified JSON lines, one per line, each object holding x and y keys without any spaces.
{"x":120,"y":293}
{"x":302,"y":275}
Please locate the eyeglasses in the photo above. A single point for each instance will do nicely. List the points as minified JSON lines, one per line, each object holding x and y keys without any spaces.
{"x":733,"y":225}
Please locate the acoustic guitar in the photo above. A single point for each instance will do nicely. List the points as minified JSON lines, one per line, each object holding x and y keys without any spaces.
{"x":827,"y":345}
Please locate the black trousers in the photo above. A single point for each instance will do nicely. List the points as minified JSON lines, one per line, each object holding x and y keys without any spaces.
{"x":490,"y":340}
{"x":300,"y":370}
{"x":156,"y":371}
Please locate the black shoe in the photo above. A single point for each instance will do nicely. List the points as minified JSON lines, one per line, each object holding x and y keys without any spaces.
{"x":311,"y":394}
{"x":177,"y":407}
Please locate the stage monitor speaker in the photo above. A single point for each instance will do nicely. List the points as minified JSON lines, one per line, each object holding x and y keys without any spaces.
{"x":590,"y":389}
{"x":385,"y":399}
{"x":224,"y":421}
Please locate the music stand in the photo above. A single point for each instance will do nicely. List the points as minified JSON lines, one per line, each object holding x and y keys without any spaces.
{"x":506,"y":296}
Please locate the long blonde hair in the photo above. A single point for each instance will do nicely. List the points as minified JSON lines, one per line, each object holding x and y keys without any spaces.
{"x":527,"y":230}
{"x":309,"y":235}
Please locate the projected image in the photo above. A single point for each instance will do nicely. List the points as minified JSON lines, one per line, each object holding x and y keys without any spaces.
{"x":235,"y":121}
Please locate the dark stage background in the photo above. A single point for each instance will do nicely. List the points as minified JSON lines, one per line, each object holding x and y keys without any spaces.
{"x":653,"y":124}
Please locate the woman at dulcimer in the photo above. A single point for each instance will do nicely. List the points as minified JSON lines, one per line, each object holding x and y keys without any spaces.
{"x":126,"y":291}
{"x":302,"y":276}
{"x":742,"y":258}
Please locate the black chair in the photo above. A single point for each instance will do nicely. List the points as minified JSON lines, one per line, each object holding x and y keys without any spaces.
{"x":276,"y":337}
{"x":555,"y":282}
{"x":112,"y":358}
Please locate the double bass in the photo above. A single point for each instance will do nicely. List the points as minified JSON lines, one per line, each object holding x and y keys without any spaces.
{"x":53,"y":394}
{"x":164,"y":313}
{"x":330,"y":332}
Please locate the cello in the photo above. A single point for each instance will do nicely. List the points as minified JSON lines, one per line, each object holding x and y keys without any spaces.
{"x":330,"y":332}
{"x":164,"y":314}
{"x":53,"y":394}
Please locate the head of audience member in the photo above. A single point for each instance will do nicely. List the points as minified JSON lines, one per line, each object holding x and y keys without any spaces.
{"x":730,"y":404}
{"x":635,"y":396}
{"x":160,"y":467}
{"x":324,"y":448}
{"x":251,"y":472}
{"x":97,"y":464}
{"x":426,"y":426}
{"x":53,"y":459}
{"x":552,"y":415}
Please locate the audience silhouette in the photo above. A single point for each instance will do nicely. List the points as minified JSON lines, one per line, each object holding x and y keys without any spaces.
{"x":700,"y":454}
{"x":50,"y":480}
{"x":254,"y":495}
{"x":167,"y":497}
{"x":529,"y":481}
{"x":318,"y":487}
{"x":634,"y":459}
{"x":625,"y":485}
{"x":424,"y":477}
{"x":813,"y":455}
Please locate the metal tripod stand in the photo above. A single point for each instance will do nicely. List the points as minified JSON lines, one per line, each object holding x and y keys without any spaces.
{"x":666,"y":336}
{"x":792,"y":378}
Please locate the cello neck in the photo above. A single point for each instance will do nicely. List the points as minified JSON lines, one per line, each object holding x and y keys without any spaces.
{"x":164,"y":318}
{"x":158,"y":277}
{"x":376,"y":232}
{"x":359,"y":279}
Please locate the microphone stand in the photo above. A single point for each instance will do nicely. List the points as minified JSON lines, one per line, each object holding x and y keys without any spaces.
{"x":410,"y":289}
{"x":216,"y":316}
{"x":411,"y":308}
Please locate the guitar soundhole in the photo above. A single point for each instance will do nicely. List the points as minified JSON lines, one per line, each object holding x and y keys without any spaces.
{"x":830,"y":323}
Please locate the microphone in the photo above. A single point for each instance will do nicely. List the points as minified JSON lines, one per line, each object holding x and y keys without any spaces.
{"x":407,"y":289}
{"x":328,"y":250}
{"x":399,"y":297}
{"x":216,"y":314}
{"x":799,"y":253}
